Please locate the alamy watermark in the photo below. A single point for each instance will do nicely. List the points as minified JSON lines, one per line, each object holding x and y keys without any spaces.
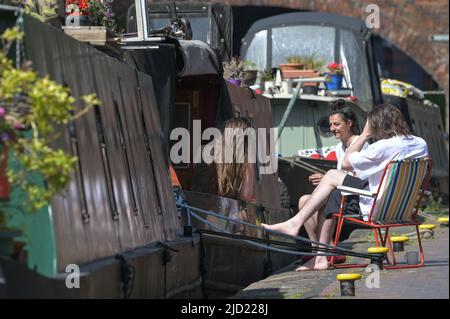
{"x":372,"y":16}
{"x":373,"y":280}
{"x":73,"y":278}
{"x":233,"y":145}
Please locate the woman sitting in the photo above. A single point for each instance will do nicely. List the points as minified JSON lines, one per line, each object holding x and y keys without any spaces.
{"x":344,"y":126}
{"x":393,"y":142}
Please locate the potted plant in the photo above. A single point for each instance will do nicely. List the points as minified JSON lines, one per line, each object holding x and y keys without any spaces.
{"x":43,"y":10}
{"x":267,"y":78}
{"x":334,"y":76}
{"x":233,"y":71}
{"x":313,"y":65}
{"x":32,"y":109}
{"x":251,"y":73}
{"x":91,"y":21}
{"x":293,"y":62}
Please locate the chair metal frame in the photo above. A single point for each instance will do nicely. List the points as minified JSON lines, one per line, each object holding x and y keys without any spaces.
{"x":380,"y":238}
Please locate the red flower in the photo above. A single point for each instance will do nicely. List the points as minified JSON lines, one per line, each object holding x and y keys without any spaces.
{"x":335,"y":68}
{"x":81,"y":5}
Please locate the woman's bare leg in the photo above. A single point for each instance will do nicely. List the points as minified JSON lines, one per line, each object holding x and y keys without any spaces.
{"x":311,"y":223}
{"x":319,"y":197}
{"x":325,"y":229}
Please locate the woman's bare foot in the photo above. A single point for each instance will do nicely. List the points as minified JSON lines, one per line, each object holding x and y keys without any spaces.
{"x":287,"y":227}
{"x":316,"y":263}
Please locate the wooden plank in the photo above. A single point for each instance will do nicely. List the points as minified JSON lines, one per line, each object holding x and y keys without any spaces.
{"x":91,"y":34}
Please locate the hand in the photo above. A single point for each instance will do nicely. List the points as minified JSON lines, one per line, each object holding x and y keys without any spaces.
{"x":315,"y":178}
{"x":368,"y":130}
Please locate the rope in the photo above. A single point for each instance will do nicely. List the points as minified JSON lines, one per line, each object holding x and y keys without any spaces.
{"x":413,"y":235}
{"x":253,"y":243}
{"x":331,"y":251}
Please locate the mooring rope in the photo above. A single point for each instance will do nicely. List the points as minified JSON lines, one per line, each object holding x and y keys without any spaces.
{"x":330,"y":250}
{"x":252,"y":242}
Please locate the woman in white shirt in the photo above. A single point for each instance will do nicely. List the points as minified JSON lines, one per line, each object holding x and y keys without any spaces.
{"x":394,"y":141}
{"x":344,"y":126}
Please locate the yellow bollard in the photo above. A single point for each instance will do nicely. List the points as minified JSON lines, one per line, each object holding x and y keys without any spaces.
{"x":399,"y":242}
{"x":443,"y":221}
{"x":348,"y":283}
{"x":378,"y":255}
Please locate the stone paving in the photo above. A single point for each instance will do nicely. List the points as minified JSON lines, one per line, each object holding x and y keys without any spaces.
{"x":428,"y":282}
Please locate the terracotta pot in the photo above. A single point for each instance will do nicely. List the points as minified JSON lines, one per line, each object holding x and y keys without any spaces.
{"x":295,"y":74}
{"x":291,"y":66}
{"x":5,"y":186}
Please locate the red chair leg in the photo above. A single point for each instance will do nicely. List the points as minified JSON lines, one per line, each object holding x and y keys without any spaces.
{"x":422,"y":257}
{"x":336,"y":237}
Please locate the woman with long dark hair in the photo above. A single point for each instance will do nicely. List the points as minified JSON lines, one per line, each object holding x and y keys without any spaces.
{"x":344,"y":126}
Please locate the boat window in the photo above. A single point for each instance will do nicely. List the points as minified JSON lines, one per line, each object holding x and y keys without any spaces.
{"x":302,"y":40}
{"x":257,"y":49}
{"x":355,"y":67}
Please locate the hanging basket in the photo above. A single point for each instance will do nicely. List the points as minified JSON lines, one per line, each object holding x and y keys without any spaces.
{"x":5,"y":186}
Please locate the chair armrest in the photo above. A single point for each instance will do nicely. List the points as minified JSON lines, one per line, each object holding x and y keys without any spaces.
{"x":345,"y":191}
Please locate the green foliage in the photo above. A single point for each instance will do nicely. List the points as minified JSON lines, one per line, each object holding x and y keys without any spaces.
{"x":100,"y":14}
{"x":313,"y":62}
{"x":42,"y":10}
{"x":32,"y":112}
{"x":267,"y":75}
{"x":310,"y":61}
{"x":250,"y":65}
{"x":295,"y":59}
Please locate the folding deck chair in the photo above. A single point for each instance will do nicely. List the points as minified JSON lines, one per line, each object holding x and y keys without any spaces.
{"x":396,"y":204}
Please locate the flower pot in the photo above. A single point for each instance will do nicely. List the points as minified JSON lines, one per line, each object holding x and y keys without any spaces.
{"x":334,"y":81}
{"x":5,"y":186}
{"x":250,"y":77}
{"x":291,"y":66}
{"x":91,"y":34}
{"x":310,"y":89}
{"x":295,"y":74}
{"x":235,"y":82}
{"x":74,"y":20}
{"x":268,"y":86}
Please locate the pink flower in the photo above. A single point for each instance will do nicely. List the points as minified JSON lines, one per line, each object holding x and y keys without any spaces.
{"x":19,"y":126}
{"x":2,"y":112}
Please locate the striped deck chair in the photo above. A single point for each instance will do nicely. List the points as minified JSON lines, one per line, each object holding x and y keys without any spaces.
{"x":396,"y":204}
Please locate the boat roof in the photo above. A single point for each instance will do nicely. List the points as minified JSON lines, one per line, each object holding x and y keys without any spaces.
{"x":319,"y":18}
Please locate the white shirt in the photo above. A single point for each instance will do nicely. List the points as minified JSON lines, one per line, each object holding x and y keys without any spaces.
{"x":371,"y":162}
{"x":340,"y":152}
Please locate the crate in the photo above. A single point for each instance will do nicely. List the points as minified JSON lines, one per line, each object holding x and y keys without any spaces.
{"x":92,"y":34}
